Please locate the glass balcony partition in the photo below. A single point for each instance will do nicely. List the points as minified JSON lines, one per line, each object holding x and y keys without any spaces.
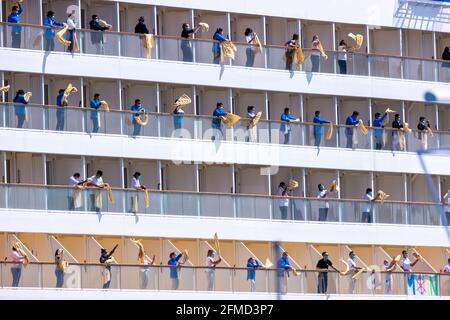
{"x":223,"y":279}
{"x":111,"y":43}
{"x":240,"y":206}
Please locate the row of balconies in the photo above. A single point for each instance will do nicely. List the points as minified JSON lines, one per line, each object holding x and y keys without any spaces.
{"x":82,"y":253}
{"x":272,"y":57}
{"x":164,"y":125}
{"x":219,"y":205}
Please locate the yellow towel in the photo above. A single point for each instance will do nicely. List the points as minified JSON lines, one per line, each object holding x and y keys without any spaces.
{"x":322,"y":51}
{"x":363,"y":128}
{"x":60,"y":36}
{"x":98,"y":201}
{"x":231,"y":119}
{"x":299,"y":56}
{"x":5,"y":88}
{"x":253,"y":122}
{"x":77,"y":197}
{"x":292,"y":184}
{"x":357,"y":274}
{"x":358,"y":40}
{"x":146,"y":200}
{"x":268,"y":264}
{"x":204,"y":26}
{"x":143,"y":122}
{"x":105,"y":24}
{"x":27,"y":96}
{"x":134,"y":203}
{"x":330,"y":131}
{"x":68,"y":91}
{"x":110,"y":194}
{"x":257,"y":43}
{"x":228,"y":49}
{"x":381,"y":195}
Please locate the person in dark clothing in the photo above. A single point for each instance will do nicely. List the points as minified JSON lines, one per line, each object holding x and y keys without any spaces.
{"x":141,"y":27}
{"x":186,"y":45}
{"x":106,"y":258}
{"x":219,"y":38}
{"x":291,"y":45}
{"x":446,"y":56}
{"x":322,"y":265}
{"x":423,"y":126}
{"x":20,"y":107}
{"x":97,"y":37}
{"x":396,"y":124}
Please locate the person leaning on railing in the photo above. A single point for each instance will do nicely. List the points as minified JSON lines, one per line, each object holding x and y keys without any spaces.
{"x":106,"y":259}
{"x":322,"y":279}
{"x":218,"y":114}
{"x":351,"y":121}
{"x":16,"y":268}
{"x":16,"y":31}
{"x":291,"y":46}
{"x":318,"y":128}
{"x":285,"y":126}
{"x":284,"y":266}
{"x":97,"y":38}
{"x":138,"y":109}
{"x":71,"y":31}
{"x":140,"y":27}
{"x":20,"y":108}
{"x":397,"y":125}
{"x":423,"y":126}
{"x":252,"y":265}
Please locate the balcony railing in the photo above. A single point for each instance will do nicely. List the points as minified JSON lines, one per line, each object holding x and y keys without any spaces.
{"x":169,"y":48}
{"x":76,"y":119}
{"x":157,"y":278}
{"x":233,"y":206}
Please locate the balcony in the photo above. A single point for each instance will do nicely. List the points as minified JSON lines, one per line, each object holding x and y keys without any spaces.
{"x":232,"y":280}
{"x":115,"y":122}
{"x":215,"y":205}
{"x":168,"y":48}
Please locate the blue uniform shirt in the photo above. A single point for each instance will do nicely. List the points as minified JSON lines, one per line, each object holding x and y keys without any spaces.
{"x":177,"y":118}
{"x":137,"y":109}
{"x":283,"y":263}
{"x":351,"y":121}
{"x":216,"y":45}
{"x":218,"y":112}
{"x":51,"y":22}
{"x":15,"y":18}
{"x":20,"y":108}
{"x":173,"y":262}
{"x":60,"y":104}
{"x":286,"y":118}
{"x":251,"y":272}
{"x":95,"y":104}
{"x":378,"y":123}
{"x":318,"y":129}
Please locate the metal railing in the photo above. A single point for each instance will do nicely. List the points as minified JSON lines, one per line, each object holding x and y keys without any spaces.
{"x":76,"y":119}
{"x":219,"y":279}
{"x":223,"y":205}
{"x":33,"y":37}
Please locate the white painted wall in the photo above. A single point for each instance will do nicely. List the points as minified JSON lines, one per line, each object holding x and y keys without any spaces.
{"x":216,"y":179}
{"x":148,"y":170}
{"x":129,"y":16}
{"x":61,"y":168}
{"x":110,"y":168}
{"x":250,"y":181}
{"x":179,"y":177}
{"x":354,"y":184}
{"x":392,"y":184}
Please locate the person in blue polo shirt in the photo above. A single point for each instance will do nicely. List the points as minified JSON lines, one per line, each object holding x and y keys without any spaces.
{"x":252,"y":265}
{"x":285,"y":126}
{"x":20,"y":108}
{"x":60,"y":110}
{"x":318,"y":128}
{"x":49,"y":35}
{"x":378,"y":133}
{"x":95,"y":105}
{"x":173,"y":263}
{"x":351,"y":121}
{"x":137,"y":109}
{"x":178,"y":117}
{"x":284,"y":266}
{"x":217,"y":120}
{"x":219,"y":38}
{"x":16,"y":31}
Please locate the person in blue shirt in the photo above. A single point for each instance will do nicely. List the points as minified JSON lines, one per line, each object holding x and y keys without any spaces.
{"x":173,"y":263}
{"x":178,"y":117}
{"x":285,"y":126}
{"x":318,"y":128}
{"x":60,"y":110}
{"x":138,"y":110}
{"x":252,"y":265}
{"x":284,"y":266}
{"x":16,"y":31}
{"x":20,"y":107}
{"x":95,"y":105}
{"x":49,"y":35}
{"x":351,"y":121}
{"x":218,"y":36}
{"x":218,"y":113}
{"x":378,"y":133}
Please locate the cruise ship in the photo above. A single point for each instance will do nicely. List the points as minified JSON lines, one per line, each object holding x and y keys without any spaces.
{"x":168,"y":149}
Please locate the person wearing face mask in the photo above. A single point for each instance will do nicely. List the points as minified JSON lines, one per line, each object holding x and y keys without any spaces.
{"x":396,"y":124}
{"x":323,"y":205}
{"x":71,"y":32}
{"x":322,"y":265}
{"x":16,"y":31}
{"x":367,"y":212}
{"x":423,"y":126}
{"x":137,"y":109}
{"x":50,"y":22}
{"x":353,"y":269}
{"x":252,"y":265}
{"x":97,"y":37}
{"x":284,"y":266}
{"x":388,"y":268}
{"x":186,"y":45}
{"x":211,"y":272}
